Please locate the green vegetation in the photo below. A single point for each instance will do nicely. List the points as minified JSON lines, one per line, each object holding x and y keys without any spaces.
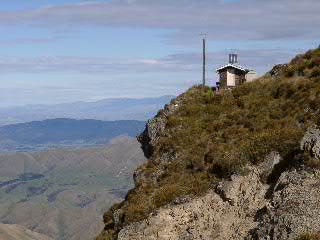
{"x":309,"y":236}
{"x":216,"y":135}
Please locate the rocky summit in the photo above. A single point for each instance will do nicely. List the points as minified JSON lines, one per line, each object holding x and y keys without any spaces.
{"x":234,"y":164}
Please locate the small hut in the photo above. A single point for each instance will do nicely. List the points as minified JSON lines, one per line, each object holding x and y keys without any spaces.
{"x":233,"y":74}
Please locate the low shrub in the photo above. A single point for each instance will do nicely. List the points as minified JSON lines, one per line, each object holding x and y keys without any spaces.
{"x":313,"y":163}
{"x":309,"y":236}
{"x":315,"y":72}
{"x":290,"y":71}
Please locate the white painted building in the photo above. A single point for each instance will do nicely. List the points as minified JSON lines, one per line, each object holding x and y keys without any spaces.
{"x":233,"y":74}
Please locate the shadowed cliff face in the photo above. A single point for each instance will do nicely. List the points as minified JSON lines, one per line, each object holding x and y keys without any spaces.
{"x":227,"y":165}
{"x":155,"y":127}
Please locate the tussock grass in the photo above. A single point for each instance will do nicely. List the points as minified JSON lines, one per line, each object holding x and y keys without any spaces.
{"x":309,"y":236}
{"x":216,"y":135}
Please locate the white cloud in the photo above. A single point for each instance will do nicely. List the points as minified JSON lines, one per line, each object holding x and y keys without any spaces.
{"x":245,"y":19}
{"x":87,"y":77}
{"x":183,"y":62}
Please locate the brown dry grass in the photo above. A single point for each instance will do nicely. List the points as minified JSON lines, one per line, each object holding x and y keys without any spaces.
{"x":309,"y":236}
{"x":216,"y":135}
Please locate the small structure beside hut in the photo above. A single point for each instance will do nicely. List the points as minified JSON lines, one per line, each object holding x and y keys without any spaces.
{"x":233,"y":74}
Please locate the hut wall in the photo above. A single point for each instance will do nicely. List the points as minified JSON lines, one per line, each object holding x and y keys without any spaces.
{"x":240,"y":77}
{"x":223,"y":79}
{"x":231,"y":78}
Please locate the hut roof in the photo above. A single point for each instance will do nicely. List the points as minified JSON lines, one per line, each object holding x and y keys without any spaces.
{"x":229,"y":65}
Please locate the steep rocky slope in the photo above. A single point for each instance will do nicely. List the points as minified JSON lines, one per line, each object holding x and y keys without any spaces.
{"x":241,"y":164}
{"x":242,"y":213}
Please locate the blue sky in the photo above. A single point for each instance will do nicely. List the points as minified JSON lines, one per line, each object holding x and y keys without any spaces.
{"x":71,"y":50}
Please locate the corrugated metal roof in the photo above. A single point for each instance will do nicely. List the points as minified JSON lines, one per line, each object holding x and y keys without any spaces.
{"x":233,"y":66}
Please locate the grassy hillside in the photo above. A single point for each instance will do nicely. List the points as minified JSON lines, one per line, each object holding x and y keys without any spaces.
{"x":212,"y":136}
{"x":309,"y":236}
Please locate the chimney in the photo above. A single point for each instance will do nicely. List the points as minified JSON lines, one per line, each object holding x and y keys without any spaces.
{"x":235,"y":58}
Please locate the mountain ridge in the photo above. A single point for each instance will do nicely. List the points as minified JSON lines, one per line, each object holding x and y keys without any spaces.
{"x":107,"y":110}
{"x":252,"y":150}
{"x":64,"y":132}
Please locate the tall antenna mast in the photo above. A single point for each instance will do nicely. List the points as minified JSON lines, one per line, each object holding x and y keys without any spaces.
{"x":204,"y":59}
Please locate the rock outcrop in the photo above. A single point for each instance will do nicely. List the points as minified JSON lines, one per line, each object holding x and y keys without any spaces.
{"x":277,"y":70}
{"x":225,"y":213}
{"x":311,"y":142}
{"x":156,"y":126}
{"x":241,"y":208}
{"x":294,"y":207}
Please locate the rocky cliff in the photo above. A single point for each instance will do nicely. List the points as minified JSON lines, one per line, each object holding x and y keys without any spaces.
{"x":241,"y":164}
{"x":242,"y":207}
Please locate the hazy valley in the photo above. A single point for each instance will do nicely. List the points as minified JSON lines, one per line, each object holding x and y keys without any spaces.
{"x":63,"y":193}
{"x":14,"y":232}
{"x":58,"y":176}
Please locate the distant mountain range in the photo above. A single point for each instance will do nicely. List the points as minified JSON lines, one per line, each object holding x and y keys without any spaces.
{"x":56,"y":133}
{"x":62,"y":166}
{"x":108,"y":110}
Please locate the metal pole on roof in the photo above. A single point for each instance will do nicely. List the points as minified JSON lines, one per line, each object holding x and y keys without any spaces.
{"x":204,"y":60}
